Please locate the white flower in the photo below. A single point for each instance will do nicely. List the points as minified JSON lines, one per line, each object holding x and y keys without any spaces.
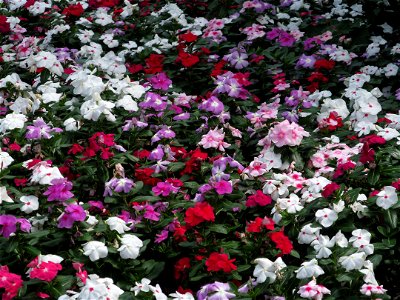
{"x":309,"y":269}
{"x":267,"y":269}
{"x":308,"y":234}
{"x":157,"y":292}
{"x":322,"y":245}
{"x":117,"y":224}
{"x":360,"y":237}
{"x":130,"y":247}
{"x":179,"y":296}
{"x":127,"y":103}
{"x":326,"y":217}
{"x":4,"y":195}
{"x":5,"y":160}
{"x":387,"y":197}
{"x":12,"y":121}
{"x":354,"y":261}
{"x":95,"y":250}
{"x":390,"y":70}
{"x":388,"y":133}
{"x":31,"y":203}
{"x":341,"y":240}
{"x":338,"y":207}
{"x":368,"y":271}
{"x":93,"y":289}
{"x":291,"y":204}
{"x":143,"y":286}
{"x":71,"y":124}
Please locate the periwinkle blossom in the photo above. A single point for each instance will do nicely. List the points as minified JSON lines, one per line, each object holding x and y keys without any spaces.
{"x":157,"y":154}
{"x":71,"y":214}
{"x":215,"y":291}
{"x":160,"y":81}
{"x":9,"y":223}
{"x":118,"y":185}
{"x":164,"y":133}
{"x":154,"y":101}
{"x":212,"y":104}
{"x":59,"y":190}
{"x":40,"y":130}
{"x":306,"y":61}
{"x":237,"y":59}
{"x":164,"y":189}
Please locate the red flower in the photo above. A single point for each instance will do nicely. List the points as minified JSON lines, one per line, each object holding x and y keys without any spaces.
{"x":46,"y":271}
{"x":76,"y":148}
{"x":259,"y":223}
{"x":187,"y":59}
{"x":373,"y":139}
{"x":4,"y":25}
{"x":20,"y":181}
{"x":324,"y":64}
{"x":10,"y":282}
{"x":103,"y":3}
{"x":329,"y":189}
{"x":181,"y":266}
{"x":259,"y":198}
{"x":188,"y":37}
{"x":145,"y":176}
{"x":201,"y":212}
{"x":281,"y":241}
{"x":220,"y":262}
{"x":73,"y":10}
{"x":367,"y":154}
{"x":154,"y":64}
{"x":14,"y":147}
{"x":134,"y":68}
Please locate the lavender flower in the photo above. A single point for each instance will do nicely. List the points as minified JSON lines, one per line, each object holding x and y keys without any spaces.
{"x":40,"y":130}
{"x":71,"y":214}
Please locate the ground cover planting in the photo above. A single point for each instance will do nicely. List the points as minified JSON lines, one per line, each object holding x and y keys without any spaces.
{"x":199,"y":149}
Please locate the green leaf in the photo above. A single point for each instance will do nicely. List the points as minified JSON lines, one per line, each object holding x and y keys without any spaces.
{"x":373,"y":176}
{"x":218,"y":228}
{"x":391,"y":218}
{"x":294,"y":253}
{"x":343,"y":278}
{"x":176,"y":166}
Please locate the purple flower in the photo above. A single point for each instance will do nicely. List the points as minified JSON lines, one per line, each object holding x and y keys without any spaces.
{"x":220,"y":291}
{"x":164,"y":133}
{"x":156,"y":154}
{"x":291,"y":116}
{"x":40,"y":130}
{"x":123,"y":185}
{"x":398,"y":94}
{"x":59,"y":190}
{"x":212,"y":104}
{"x":24,"y":224}
{"x":286,"y":39}
{"x":8,"y":224}
{"x":218,"y":172}
{"x":232,"y":87}
{"x":237,"y":59}
{"x":155,"y":101}
{"x":306,"y":61}
{"x":160,"y":81}
{"x":71,"y":214}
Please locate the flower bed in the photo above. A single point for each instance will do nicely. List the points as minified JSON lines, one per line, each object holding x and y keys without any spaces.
{"x":199,"y":149}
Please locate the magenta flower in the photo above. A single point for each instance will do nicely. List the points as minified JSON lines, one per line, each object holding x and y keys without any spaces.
{"x":164,"y":189}
{"x":213,"y":104}
{"x":223,"y":187}
{"x":8,"y":225}
{"x":123,"y":185}
{"x":160,"y":81}
{"x":72,"y":213}
{"x":59,"y":190}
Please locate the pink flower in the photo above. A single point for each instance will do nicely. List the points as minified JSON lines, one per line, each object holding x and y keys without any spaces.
{"x":46,"y":271}
{"x":160,"y":81}
{"x":164,"y":189}
{"x":59,"y":190}
{"x":287,"y":134}
{"x":223,"y":187}
{"x":214,"y":139}
{"x":72,"y":213}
